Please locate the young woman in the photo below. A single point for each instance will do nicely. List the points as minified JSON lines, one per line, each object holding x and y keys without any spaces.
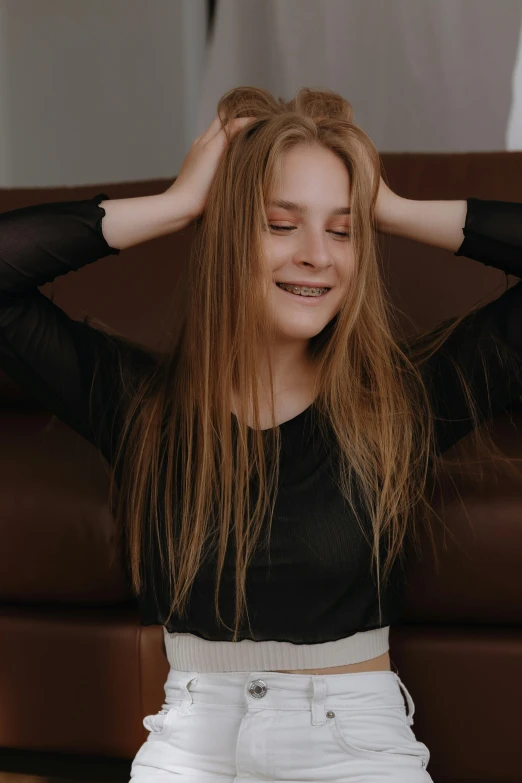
{"x":273,"y":458}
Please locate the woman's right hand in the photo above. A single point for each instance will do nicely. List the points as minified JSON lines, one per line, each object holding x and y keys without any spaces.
{"x":200,"y":165}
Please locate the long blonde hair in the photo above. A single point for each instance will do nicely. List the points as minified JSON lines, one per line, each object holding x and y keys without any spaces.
{"x":191,"y":475}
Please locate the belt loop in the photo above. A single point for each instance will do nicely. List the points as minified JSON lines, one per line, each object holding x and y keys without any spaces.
{"x":183,"y":682}
{"x":318,"y":711}
{"x":411,"y":705}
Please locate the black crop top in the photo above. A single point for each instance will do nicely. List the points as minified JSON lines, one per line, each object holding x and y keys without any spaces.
{"x":319,"y":587}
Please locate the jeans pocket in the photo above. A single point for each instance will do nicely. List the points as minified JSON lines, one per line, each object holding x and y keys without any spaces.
{"x":380,"y":734}
{"x":158,"y":725}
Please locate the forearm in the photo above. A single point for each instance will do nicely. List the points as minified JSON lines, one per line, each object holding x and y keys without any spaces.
{"x":437,"y":223}
{"x":130,"y":221}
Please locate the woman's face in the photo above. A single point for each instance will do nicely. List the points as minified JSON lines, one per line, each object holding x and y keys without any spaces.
{"x":308,"y":241}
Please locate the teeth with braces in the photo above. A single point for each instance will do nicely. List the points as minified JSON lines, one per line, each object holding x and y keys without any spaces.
{"x":295,"y":289}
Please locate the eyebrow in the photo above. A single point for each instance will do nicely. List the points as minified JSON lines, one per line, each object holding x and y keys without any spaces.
{"x":293,"y":206}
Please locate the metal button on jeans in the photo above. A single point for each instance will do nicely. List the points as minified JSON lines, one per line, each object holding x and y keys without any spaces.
{"x":257,"y":689}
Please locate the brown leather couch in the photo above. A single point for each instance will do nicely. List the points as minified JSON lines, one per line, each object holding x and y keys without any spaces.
{"x":78,"y":672}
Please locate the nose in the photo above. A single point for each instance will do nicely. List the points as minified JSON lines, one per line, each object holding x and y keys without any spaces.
{"x":314,"y":249}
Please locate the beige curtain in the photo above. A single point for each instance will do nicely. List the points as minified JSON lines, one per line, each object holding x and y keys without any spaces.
{"x":422,"y":75}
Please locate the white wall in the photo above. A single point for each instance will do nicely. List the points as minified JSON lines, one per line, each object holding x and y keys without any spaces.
{"x":98,"y":91}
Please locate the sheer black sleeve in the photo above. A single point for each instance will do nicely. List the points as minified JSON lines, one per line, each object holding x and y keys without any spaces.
{"x":68,"y":365}
{"x":493,"y":234}
{"x":487,"y":345}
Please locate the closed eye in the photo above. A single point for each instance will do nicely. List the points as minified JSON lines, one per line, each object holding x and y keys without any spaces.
{"x":292,"y":228}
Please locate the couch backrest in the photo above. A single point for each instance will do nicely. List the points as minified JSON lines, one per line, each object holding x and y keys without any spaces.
{"x":57,"y":527}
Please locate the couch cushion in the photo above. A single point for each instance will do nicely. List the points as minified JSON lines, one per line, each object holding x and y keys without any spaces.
{"x":478,"y":542}
{"x":78,"y":680}
{"x":55,"y":526}
{"x":466,"y":686}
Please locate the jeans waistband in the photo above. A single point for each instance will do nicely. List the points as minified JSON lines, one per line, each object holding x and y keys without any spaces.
{"x":258,"y":690}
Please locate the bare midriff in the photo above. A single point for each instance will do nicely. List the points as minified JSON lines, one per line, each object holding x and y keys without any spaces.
{"x":381,"y":663}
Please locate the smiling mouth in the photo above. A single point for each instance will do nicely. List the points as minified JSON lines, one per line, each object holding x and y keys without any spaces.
{"x":303,"y":292}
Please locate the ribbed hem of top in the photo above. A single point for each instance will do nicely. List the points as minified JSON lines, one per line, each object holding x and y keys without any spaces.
{"x":186,"y":652}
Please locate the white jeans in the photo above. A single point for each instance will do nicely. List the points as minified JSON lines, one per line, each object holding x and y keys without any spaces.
{"x":225,"y":727}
